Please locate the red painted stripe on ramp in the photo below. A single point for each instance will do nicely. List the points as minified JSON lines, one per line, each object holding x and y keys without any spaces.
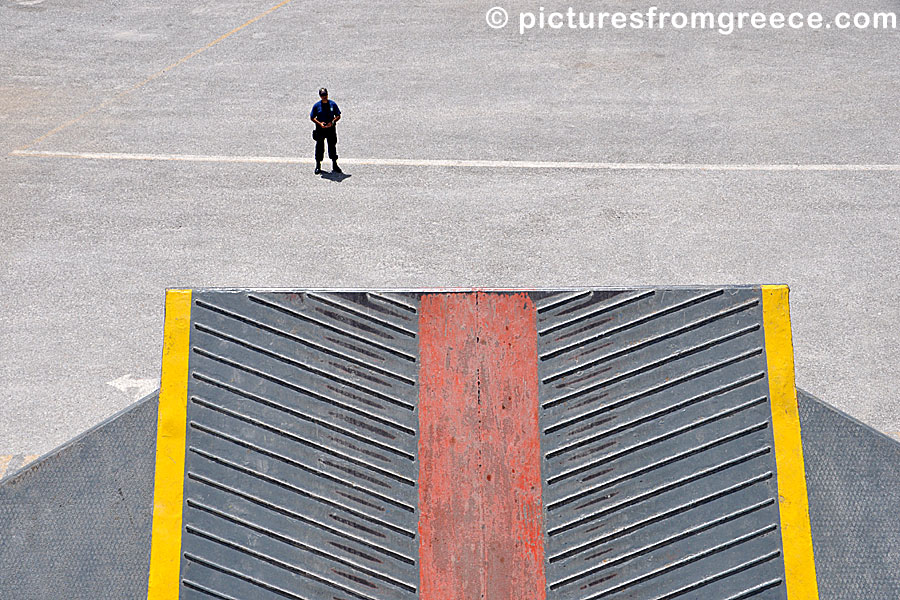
{"x":480,"y":523}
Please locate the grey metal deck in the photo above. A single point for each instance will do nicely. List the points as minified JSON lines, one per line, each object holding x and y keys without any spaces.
{"x":75,"y":524}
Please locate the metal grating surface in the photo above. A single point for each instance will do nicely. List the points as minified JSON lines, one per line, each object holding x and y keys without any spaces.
{"x":853,"y":478}
{"x":301,"y":460}
{"x":75,"y":524}
{"x":657,"y":447}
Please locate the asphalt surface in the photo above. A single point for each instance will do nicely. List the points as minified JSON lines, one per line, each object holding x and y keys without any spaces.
{"x":89,"y":245}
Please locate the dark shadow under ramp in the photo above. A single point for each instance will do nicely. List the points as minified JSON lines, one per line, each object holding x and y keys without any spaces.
{"x":76,"y":523}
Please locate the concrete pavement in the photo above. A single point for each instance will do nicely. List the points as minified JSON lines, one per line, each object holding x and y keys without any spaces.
{"x":90,"y":244}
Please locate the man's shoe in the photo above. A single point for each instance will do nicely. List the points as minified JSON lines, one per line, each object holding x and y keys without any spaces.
{"x":318,"y":168}
{"x":335,"y":168}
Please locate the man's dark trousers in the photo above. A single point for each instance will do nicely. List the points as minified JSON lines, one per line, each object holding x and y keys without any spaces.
{"x":322,"y":134}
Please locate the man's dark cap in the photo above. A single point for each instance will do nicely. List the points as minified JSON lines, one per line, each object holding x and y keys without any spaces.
{"x":323,"y":92}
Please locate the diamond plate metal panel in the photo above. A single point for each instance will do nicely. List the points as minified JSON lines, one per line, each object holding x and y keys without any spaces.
{"x":301,"y":461}
{"x":853,"y":474}
{"x":75,"y":524}
{"x":657,"y":449}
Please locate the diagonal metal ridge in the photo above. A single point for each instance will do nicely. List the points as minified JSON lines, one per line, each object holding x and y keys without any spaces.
{"x":295,"y":463}
{"x":267,"y":532}
{"x":380,"y":306}
{"x":658,"y":414}
{"x":397,"y":301}
{"x":656,"y":445}
{"x":300,"y":440}
{"x":691,"y":559}
{"x":667,"y":335}
{"x":333,"y":301}
{"x":319,"y":323}
{"x":276,"y":562}
{"x":678,"y":355}
{"x":653,"y":466}
{"x":618,"y":328}
{"x":237,"y":575}
{"x":659,"y":517}
{"x":300,"y":365}
{"x":757,"y":589}
{"x":315,"y":347}
{"x":593,"y":299}
{"x":560,"y":299}
{"x":614,"y":304}
{"x":661,"y":387}
{"x":297,"y":515}
{"x":653,"y":492}
{"x":304,"y":416}
{"x":301,"y":464}
{"x":306,"y":392}
{"x":210,"y":592}
{"x":555,"y":307}
{"x":661,"y":543}
{"x":668,"y":436}
{"x":754,"y":591}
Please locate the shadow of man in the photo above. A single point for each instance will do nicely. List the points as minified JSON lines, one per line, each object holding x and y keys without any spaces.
{"x":337,"y":177}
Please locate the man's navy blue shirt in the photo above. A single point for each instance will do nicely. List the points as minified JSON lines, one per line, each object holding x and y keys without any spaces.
{"x":324,"y":112}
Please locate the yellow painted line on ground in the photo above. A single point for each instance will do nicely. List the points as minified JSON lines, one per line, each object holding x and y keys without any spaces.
{"x":796,"y":536}
{"x":168,"y":493}
{"x":10,"y":463}
{"x":453,"y":162}
{"x":159,"y":73}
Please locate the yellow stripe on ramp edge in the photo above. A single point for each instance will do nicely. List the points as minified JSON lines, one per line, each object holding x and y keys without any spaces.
{"x":168,"y":494}
{"x":799,"y":564}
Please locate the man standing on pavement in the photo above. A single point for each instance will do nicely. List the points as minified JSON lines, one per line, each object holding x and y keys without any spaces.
{"x":325,"y":114}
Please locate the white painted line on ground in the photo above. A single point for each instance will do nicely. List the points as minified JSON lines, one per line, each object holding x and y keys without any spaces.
{"x":500,"y":164}
{"x":140,"y":387}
